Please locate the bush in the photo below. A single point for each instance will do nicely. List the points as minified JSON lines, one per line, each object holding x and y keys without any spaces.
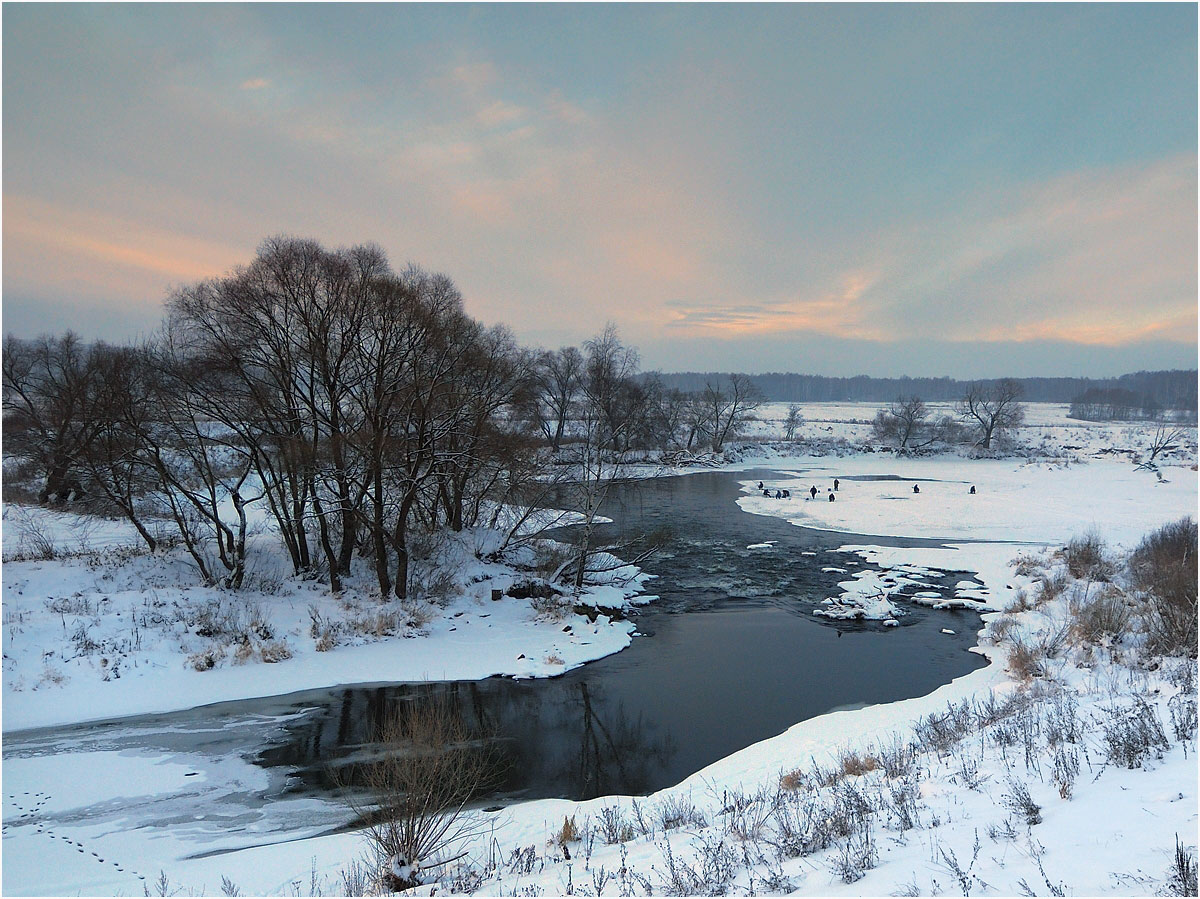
{"x":431,"y":766}
{"x":1134,"y":734}
{"x":1019,"y":801}
{"x":1104,"y":620}
{"x":1087,"y":558}
{"x":1163,"y":568}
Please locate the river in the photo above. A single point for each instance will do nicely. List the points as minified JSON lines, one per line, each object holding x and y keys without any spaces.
{"x":729,"y":654}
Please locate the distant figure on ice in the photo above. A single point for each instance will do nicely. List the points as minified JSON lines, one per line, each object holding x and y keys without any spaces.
{"x":972,"y":490}
{"x":916,"y":489}
{"x":836,"y":484}
{"x":779,"y":494}
{"x":760,"y":485}
{"x":767,"y":493}
{"x":831,"y":496}
{"x":787,"y":494}
{"x":813,"y":491}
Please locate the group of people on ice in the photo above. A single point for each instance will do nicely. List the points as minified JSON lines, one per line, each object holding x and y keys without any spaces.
{"x":812,"y":491}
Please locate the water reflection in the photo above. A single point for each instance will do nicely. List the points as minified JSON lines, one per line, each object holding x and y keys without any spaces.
{"x":558,"y":738}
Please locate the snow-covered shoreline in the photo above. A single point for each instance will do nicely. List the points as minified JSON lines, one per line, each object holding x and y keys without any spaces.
{"x":107,"y":634}
{"x":1021,"y":508}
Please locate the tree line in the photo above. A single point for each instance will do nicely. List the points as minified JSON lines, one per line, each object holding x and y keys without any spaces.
{"x":1171,"y":390}
{"x":358,"y":405}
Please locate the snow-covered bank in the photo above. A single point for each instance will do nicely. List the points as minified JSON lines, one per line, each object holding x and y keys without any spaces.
{"x":114,"y":632}
{"x":1015,"y":501}
{"x":1113,"y":833}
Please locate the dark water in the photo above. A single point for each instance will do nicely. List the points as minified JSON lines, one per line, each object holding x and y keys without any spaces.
{"x":729,"y":654}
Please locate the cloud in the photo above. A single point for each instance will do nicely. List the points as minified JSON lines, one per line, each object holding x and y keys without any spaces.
{"x":499,"y":113}
{"x":836,"y":311}
{"x":1100,"y":256}
{"x":255,"y":84}
{"x":51,"y":244}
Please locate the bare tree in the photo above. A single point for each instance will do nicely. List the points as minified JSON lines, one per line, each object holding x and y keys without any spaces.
{"x":792,"y":422}
{"x":610,"y":410}
{"x":114,"y":462}
{"x":903,"y":423}
{"x":558,"y":377}
{"x":729,"y":408}
{"x":992,"y":408}
{"x":49,"y":387}
{"x":1165,"y":437}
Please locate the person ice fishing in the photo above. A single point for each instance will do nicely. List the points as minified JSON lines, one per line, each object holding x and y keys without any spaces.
{"x":813,"y":490}
{"x":836,"y":484}
{"x":916,"y":488}
{"x":831,"y":496}
{"x":972,"y":490}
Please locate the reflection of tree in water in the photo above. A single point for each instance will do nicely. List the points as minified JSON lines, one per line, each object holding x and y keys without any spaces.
{"x":615,"y":755}
{"x":557,"y":739}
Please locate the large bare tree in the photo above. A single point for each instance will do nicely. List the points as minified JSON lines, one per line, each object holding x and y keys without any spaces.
{"x":49,"y":393}
{"x":992,"y":408}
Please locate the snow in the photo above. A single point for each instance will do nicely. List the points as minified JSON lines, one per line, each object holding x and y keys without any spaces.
{"x":1114,"y":835}
{"x":1031,"y":502}
{"x":102,"y":635}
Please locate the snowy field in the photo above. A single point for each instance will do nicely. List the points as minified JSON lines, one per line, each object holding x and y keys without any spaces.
{"x":1111,"y":831}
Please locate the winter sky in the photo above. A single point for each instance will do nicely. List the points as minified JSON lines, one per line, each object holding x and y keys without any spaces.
{"x":971,"y":190}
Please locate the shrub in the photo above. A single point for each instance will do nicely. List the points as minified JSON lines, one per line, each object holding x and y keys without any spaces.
{"x":1018,"y":800}
{"x":432,"y":765}
{"x":675,"y":811}
{"x":551,"y":608}
{"x":1102,"y":621}
{"x":1133,"y":734}
{"x":999,"y":629}
{"x":1027,"y":565}
{"x":1163,"y":567}
{"x":278,"y":651}
{"x":1087,"y":558}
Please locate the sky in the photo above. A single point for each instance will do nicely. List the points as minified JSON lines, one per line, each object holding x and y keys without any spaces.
{"x":970,"y":190}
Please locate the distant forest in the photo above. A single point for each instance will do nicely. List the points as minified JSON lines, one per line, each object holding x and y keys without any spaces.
{"x":1173,"y":390}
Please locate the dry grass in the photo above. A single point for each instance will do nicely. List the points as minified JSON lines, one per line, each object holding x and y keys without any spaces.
{"x":568,"y":833}
{"x":793,"y":780}
{"x":1163,"y":568}
{"x":275,"y":651}
{"x":1020,"y":603}
{"x":1087,"y":558}
{"x":1025,"y":661}
{"x":855,"y":765}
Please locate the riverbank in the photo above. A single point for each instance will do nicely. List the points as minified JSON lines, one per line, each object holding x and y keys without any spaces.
{"x":961,"y":795}
{"x":105,"y":630}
